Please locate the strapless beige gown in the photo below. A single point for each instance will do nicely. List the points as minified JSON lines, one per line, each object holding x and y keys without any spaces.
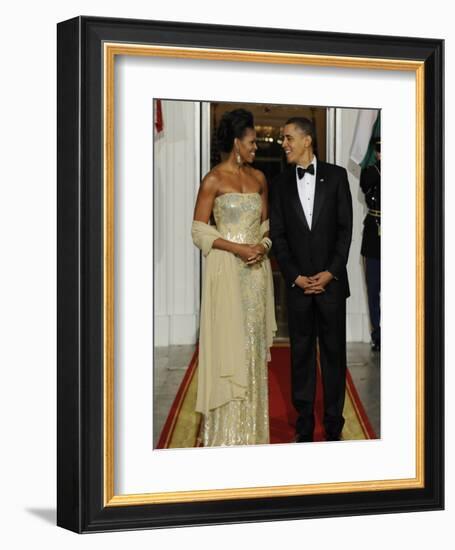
{"x":244,"y":421}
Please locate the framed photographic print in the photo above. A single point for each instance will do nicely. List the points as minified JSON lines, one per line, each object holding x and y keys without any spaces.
{"x":180,"y":399}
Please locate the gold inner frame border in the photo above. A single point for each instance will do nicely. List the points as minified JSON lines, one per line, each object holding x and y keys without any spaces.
{"x":110,"y":50}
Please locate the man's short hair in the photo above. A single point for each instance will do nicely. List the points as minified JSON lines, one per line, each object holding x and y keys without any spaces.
{"x":306,"y":126}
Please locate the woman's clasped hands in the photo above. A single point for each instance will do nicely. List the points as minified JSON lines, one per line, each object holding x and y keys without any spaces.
{"x":251,"y":253}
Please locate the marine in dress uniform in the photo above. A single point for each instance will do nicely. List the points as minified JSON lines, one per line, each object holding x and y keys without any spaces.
{"x":370,"y":183}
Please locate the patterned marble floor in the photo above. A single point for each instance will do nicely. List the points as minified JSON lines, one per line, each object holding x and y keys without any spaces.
{"x":171,"y":363}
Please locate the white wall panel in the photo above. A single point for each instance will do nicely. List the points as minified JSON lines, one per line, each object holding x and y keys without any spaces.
{"x":358,"y":324}
{"x":177,"y":177}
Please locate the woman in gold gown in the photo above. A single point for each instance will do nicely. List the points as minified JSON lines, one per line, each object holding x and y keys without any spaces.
{"x":237,"y":312}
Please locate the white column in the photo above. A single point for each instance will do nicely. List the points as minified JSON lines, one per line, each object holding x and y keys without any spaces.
{"x":176,"y":260}
{"x":358,"y":324}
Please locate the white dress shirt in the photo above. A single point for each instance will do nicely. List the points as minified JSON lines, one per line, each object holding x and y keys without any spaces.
{"x":306,"y":187}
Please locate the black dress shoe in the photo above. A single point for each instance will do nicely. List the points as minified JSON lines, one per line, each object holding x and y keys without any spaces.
{"x":375,"y":346}
{"x":332,"y":438}
{"x":303,"y":438}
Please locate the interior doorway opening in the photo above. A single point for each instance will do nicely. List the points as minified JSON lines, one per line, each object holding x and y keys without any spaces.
{"x":269,"y":120}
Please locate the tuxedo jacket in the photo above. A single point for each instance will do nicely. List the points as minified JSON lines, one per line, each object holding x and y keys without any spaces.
{"x":300,"y":250}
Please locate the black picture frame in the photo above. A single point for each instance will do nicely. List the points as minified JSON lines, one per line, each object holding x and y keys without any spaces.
{"x":81,"y":466}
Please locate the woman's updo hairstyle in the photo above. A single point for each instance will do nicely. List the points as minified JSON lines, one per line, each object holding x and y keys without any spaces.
{"x":233,"y":124}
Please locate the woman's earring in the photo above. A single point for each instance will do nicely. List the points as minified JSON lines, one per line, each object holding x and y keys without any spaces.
{"x":238,"y":158}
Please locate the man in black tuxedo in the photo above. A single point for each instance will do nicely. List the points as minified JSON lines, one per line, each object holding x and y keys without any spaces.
{"x":311,"y":229}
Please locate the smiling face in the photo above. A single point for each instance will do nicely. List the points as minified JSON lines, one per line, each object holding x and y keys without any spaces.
{"x":296,"y":144}
{"x":246,"y":146}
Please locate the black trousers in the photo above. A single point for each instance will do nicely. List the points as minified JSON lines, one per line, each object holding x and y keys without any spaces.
{"x":373,"y":278}
{"x":312,"y":319}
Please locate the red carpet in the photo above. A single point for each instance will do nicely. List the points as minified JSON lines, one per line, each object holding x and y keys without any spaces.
{"x":282,"y":413}
{"x":182,"y":425}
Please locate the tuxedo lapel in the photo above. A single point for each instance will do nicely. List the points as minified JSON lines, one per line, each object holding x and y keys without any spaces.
{"x":295,"y":199}
{"x":319,"y":192}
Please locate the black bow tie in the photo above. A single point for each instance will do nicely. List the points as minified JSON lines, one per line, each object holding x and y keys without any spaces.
{"x":302,"y":171}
